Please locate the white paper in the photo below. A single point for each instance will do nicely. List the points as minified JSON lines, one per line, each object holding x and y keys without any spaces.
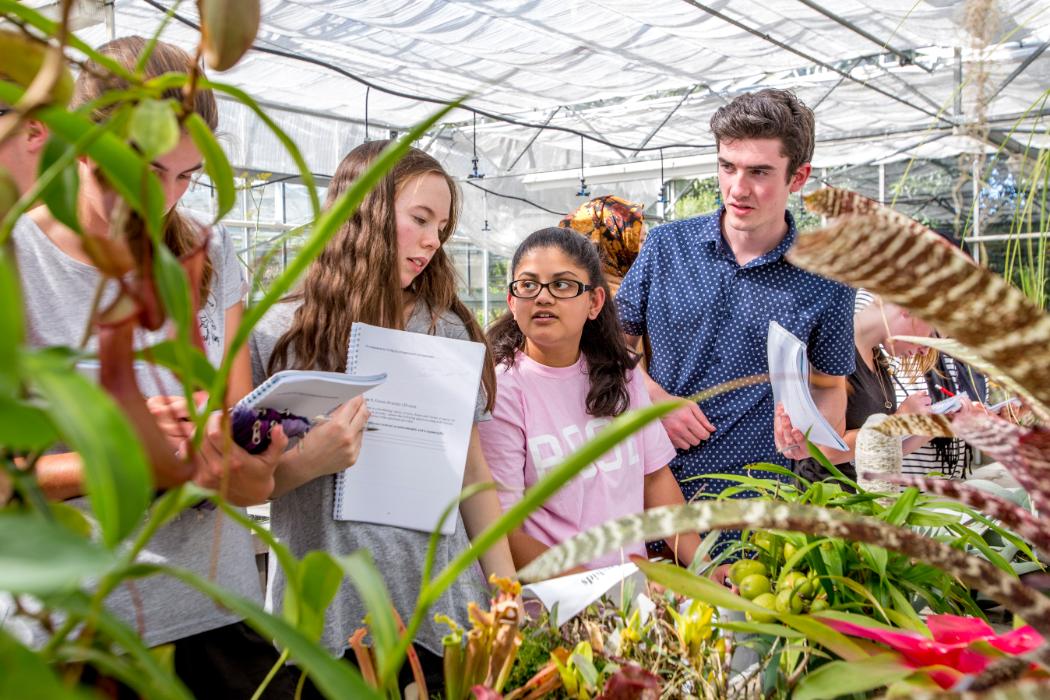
{"x":948,"y":405}
{"x":413,"y":457}
{"x":309,"y":393}
{"x":573,"y":593}
{"x":789,"y":375}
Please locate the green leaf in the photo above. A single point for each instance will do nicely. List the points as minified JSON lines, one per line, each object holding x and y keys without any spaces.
{"x":875,"y":557}
{"x":699,"y":587}
{"x":25,"y":428}
{"x":319,"y":579}
{"x":26,"y":675}
{"x":60,"y":195}
{"x":166,"y":354}
{"x":839,"y":678}
{"x":766,"y":628}
{"x":898,"y":514}
{"x":370,"y":586}
{"x":12,"y":325}
{"x":215,"y":164}
{"x":830,"y":639}
{"x":154,"y":128}
{"x":117,"y":477}
{"x":40,"y":557}
{"x":334,"y":677}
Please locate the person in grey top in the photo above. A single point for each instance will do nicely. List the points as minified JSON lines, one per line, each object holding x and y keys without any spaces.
{"x":385,"y":267}
{"x":214,"y":652}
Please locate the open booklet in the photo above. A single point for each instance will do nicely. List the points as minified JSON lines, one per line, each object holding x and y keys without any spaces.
{"x":413,"y":457}
{"x":309,"y":393}
{"x":789,"y":375}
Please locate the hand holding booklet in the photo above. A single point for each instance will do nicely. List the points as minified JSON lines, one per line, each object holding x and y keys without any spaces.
{"x":789,"y":375}
{"x":309,"y":393}
{"x":413,"y":457}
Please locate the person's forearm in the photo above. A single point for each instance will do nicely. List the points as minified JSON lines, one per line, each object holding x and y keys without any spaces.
{"x":525,"y":548}
{"x":60,"y":476}
{"x":662,"y":489}
{"x":913,"y":443}
{"x":482,"y":509}
{"x":292,"y":472}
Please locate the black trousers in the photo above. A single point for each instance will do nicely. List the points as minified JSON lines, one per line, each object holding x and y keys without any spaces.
{"x":227,"y":663}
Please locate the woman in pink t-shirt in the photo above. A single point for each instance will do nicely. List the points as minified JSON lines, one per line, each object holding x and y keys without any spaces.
{"x":563,"y":372}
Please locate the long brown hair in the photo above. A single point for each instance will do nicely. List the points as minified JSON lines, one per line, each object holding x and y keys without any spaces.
{"x":181,"y":234}
{"x":355,"y":278}
{"x":609,"y":360}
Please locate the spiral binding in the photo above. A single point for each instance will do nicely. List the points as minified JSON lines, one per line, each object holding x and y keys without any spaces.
{"x":351,"y":367}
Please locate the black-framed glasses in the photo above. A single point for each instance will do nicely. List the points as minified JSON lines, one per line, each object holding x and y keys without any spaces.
{"x":559,"y":289}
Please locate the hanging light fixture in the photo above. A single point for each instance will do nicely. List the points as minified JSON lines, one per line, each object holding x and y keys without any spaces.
{"x":584,"y":191}
{"x":663,"y":182}
{"x":485,"y":212}
{"x":368,"y":90}
{"x":475,"y":175}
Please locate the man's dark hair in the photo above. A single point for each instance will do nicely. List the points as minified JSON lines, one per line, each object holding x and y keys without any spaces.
{"x":769,"y":114}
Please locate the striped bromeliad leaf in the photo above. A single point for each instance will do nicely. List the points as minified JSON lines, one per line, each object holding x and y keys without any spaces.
{"x":1023,"y":452}
{"x":666,"y":521}
{"x":902,"y":425}
{"x":910,"y":265}
{"x":1009,"y":514}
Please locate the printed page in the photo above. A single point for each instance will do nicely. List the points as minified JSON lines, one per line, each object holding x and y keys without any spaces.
{"x":789,"y":375}
{"x":414,"y":453}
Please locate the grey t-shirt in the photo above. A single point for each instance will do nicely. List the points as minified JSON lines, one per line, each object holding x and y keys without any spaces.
{"x":303,"y":520}
{"x":57,"y":293}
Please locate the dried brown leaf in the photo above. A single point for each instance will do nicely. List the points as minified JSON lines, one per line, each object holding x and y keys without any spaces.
{"x":910,"y":265}
{"x":903,"y":425}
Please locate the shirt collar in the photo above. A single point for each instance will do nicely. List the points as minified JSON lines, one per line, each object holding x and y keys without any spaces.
{"x":711,"y":231}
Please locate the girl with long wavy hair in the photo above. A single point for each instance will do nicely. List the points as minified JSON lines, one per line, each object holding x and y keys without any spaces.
{"x":387,"y":267}
{"x":564,"y":372}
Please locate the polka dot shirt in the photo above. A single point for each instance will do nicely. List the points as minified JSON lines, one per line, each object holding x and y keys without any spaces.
{"x":707,"y":318}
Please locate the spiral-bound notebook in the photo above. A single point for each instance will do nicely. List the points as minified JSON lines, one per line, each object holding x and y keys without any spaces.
{"x":309,"y":393}
{"x":413,"y":456}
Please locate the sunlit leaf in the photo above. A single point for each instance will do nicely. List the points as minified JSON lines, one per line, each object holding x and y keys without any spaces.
{"x":319,"y":579}
{"x":61,"y":194}
{"x":154,"y":128}
{"x":24,"y":427}
{"x":165,"y":354}
{"x":839,"y":678}
{"x":220,"y":173}
{"x":26,"y":675}
{"x":40,"y":557}
{"x":372,"y":590}
{"x":117,"y":476}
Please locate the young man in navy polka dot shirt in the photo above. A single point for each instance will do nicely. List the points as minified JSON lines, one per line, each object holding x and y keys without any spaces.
{"x":706,"y":288}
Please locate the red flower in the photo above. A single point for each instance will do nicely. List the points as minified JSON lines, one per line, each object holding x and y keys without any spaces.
{"x":950,"y":647}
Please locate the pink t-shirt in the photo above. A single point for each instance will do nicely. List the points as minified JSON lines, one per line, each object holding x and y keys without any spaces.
{"x":540,"y":418}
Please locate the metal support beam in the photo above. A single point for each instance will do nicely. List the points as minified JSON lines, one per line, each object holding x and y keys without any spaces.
{"x":833,"y":88}
{"x":535,"y":136}
{"x":666,"y":119}
{"x":1020,"y":69}
{"x":813,"y":59}
{"x":958,"y":82}
{"x":975,"y":176}
{"x":884,"y":45}
{"x":597,"y":133}
{"x":882,"y":183}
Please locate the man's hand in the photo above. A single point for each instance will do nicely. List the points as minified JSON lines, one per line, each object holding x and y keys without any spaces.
{"x":789,"y":440}
{"x":687,"y":426}
{"x":248,"y":477}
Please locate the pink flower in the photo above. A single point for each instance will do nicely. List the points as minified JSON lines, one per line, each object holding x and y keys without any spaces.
{"x":950,"y":647}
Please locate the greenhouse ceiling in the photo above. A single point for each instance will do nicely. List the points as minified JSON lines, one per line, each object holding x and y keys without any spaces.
{"x":632,"y":83}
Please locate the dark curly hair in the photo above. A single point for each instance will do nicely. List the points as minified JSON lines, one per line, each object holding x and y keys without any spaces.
{"x":603,"y":344}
